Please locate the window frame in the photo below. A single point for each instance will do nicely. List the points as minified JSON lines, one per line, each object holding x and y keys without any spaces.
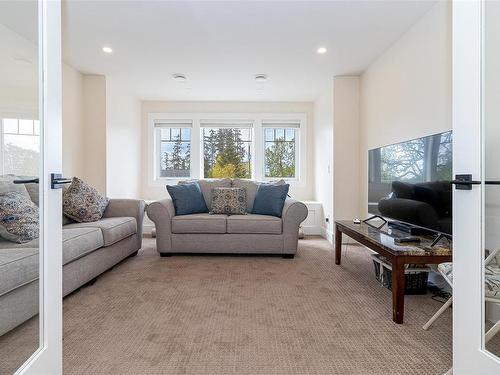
{"x":18,"y":117}
{"x":158,"y":126}
{"x":200,"y":120}
{"x":284,"y":124}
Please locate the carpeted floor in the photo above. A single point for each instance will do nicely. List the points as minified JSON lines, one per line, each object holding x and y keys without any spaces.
{"x":248,"y":315}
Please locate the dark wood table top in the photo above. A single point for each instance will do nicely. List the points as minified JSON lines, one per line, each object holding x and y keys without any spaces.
{"x":385,"y":237}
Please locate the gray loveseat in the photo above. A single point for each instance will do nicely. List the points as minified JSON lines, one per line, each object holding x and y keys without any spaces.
{"x":89,"y":249}
{"x":239,"y":234}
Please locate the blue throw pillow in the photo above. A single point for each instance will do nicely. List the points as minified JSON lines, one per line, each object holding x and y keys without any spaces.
{"x":270,"y":199}
{"x":187,"y":199}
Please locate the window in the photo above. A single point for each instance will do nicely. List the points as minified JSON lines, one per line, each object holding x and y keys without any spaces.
{"x":227,"y":152}
{"x":20,"y":142}
{"x":260,"y":146}
{"x":173,"y":156}
{"x":280,"y":157}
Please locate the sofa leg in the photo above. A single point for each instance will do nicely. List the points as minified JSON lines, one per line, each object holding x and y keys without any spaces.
{"x":134,"y":254}
{"x":91,"y":282}
{"x":288,"y":256}
{"x":165,"y":255}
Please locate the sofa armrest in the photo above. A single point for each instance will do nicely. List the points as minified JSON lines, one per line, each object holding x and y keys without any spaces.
{"x":294,"y":213}
{"x":128,"y":208}
{"x":161,"y":213}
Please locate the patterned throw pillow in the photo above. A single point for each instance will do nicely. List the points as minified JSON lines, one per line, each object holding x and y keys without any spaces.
{"x":19,"y":221}
{"x":229,"y":201}
{"x":83,"y":203}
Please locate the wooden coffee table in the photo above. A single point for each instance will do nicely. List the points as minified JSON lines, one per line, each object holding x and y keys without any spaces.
{"x":382,"y":242}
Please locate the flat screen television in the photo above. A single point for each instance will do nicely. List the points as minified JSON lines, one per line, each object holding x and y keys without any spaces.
{"x":410,"y":182}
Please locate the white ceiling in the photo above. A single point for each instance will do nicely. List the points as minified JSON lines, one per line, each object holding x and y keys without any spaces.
{"x":220,"y":46}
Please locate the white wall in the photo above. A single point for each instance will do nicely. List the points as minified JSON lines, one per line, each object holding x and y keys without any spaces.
{"x":406,"y":92}
{"x":84,"y":127}
{"x":123,"y":142}
{"x":346,"y":148}
{"x":322,"y":142}
{"x":94,"y":135}
{"x":72,"y":129}
{"x":303,"y":192}
{"x":18,"y":75}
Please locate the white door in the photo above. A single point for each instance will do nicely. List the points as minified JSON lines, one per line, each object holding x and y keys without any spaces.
{"x":476,"y":210}
{"x":30,"y":150}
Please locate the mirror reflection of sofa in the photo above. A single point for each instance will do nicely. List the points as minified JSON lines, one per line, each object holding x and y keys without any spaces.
{"x":426,"y":204}
{"x":89,"y":249}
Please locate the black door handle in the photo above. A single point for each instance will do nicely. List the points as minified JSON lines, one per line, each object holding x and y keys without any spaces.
{"x":57,"y":181}
{"x":465,"y":182}
{"x":29,"y":181}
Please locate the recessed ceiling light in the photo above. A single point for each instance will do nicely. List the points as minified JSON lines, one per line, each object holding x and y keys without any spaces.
{"x":107,"y":49}
{"x":260,"y":78}
{"x":179,"y":77}
{"x":321,"y":50}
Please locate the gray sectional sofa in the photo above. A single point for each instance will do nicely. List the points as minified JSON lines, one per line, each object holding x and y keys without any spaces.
{"x":240,"y":234}
{"x":89,"y":249}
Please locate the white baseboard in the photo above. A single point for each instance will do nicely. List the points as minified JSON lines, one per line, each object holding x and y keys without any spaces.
{"x":327,"y":234}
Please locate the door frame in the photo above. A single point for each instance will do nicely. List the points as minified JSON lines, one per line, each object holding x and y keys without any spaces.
{"x":469,"y":356}
{"x":48,"y":358}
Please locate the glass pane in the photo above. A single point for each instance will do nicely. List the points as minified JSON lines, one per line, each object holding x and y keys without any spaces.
{"x":165,"y":134}
{"x":280,"y":133}
{"x":19,"y":157}
{"x":176,"y":132}
{"x":186,"y":134}
{"x":269,"y":134}
{"x":175,"y":153}
{"x":227,"y":152}
{"x":26,"y":127}
{"x":37,"y":127}
{"x":10,"y":125}
{"x":280,"y":155}
{"x":491,"y":131}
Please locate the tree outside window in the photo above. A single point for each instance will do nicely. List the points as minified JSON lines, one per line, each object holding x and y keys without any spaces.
{"x":175,"y":151}
{"x":280,"y":149}
{"x":227,"y":152}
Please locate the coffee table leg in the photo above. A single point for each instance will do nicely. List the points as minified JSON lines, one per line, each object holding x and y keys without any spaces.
{"x":398,"y":291}
{"x":338,"y":245}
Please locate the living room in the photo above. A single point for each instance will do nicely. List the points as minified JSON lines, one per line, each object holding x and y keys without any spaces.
{"x":216,"y":162}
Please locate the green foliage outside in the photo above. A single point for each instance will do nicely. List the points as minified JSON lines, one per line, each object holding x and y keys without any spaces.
{"x":177,"y":163}
{"x":225,"y":154}
{"x":280,"y":159}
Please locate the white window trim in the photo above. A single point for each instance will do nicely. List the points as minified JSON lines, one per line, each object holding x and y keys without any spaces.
{"x":257,"y":119}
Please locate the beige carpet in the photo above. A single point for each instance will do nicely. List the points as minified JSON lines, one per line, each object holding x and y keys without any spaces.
{"x":249,"y":315}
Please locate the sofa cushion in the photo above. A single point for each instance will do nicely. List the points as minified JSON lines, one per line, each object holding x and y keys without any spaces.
{"x":78,"y":242}
{"x":82,"y":202}
{"x":199,"y":223}
{"x":270,"y":199}
{"x":259,"y":224}
{"x":250,"y":187}
{"x":229,"y":201}
{"x":187,"y":199}
{"x":113,"y":229}
{"x":206,"y":187}
{"x":18,"y":266}
{"x":18,"y":217}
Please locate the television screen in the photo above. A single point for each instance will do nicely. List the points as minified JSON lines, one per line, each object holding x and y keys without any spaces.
{"x":410,"y":182}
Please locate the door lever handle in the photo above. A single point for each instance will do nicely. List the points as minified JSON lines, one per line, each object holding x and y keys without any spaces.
{"x":465,"y":182}
{"x":57,"y":181}
{"x":28,"y":181}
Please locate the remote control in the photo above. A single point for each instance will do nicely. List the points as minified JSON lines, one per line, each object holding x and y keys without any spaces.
{"x":404,"y":240}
